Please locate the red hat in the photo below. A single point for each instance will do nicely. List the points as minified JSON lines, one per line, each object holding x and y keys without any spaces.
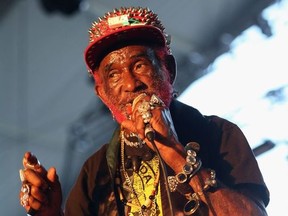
{"x":124,"y":25}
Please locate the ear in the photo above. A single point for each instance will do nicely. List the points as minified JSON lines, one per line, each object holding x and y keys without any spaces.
{"x":171,"y":66}
{"x":99,"y":91}
{"x":96,"y":90}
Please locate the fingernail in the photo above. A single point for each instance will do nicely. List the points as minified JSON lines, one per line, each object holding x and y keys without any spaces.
{"x":22,"y":176}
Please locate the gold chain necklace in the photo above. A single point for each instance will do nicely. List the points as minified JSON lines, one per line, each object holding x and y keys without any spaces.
{"x":150,"y":201}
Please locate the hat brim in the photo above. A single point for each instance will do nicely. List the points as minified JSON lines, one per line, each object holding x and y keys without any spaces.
{"x":139,"y":34}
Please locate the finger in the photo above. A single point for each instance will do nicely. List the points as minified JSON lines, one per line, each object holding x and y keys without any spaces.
{"x":29,"y":158}
{"x":53,"y":180}
{"x":140,"y":102}
{"x":30,"y":161}
{"x":159,"y":120}
{"x":24,"y":200}
{"x":35,"y":179}
{"x":38,"y":194}
{"x":129,"y":125}
{"x":139,"y":125}
{"x":33,"y":203}
{"x":55,"y":188}
{"x":52,"y":175}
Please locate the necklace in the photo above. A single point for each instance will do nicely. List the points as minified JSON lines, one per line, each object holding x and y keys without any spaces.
{"x":131,"y":139}
{"x":143,"y":195}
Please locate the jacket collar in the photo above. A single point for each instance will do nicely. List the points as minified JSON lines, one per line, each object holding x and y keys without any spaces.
{"x":112,"y":152}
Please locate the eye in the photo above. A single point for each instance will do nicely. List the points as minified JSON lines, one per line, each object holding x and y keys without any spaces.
{"x":140,"y":67}
{"x":114,"y":75}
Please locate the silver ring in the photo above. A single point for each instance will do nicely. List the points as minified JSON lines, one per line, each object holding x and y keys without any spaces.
{"x":144,"y":109}
{"x":155,"y":101}
{"x":25,"y":189}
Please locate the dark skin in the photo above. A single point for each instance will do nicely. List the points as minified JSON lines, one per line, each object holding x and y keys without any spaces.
{"x":124,"y":74}
{"x":127,"y":72}
{"x":127,"y":77}
{"x":46,"y":194}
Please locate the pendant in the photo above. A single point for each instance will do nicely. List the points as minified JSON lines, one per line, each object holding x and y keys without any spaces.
{"x":136,"y":163}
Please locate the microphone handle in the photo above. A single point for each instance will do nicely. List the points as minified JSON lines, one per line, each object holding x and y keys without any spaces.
{"x":149,"y":132}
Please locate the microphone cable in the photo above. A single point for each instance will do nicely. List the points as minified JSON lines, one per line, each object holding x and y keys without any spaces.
{"x":150,"y":135}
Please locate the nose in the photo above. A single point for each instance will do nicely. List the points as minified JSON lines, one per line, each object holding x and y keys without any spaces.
{"x":132,"y":83}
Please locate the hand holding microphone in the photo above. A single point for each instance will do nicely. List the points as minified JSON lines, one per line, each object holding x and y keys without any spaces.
{"x":151,"y":119}
{"x":145,"y":107}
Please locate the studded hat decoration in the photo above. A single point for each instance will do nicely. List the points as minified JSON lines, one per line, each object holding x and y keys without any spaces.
{"x":122,"y":26}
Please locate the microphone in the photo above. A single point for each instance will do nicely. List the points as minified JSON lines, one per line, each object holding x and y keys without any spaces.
{"x":149,"y":132}
{"x":144,"y":109}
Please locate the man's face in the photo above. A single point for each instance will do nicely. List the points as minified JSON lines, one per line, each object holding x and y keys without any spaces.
{"x":127,"y":72}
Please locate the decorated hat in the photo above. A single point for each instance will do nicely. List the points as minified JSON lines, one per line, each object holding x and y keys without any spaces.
{"x":120,"y":27}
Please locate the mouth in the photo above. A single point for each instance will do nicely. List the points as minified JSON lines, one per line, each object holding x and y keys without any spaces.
{"x":129,"y":106}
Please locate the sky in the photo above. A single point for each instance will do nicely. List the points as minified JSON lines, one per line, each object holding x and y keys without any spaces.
{"x":249,"y":86}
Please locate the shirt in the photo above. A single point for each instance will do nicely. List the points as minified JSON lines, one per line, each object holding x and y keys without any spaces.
{"x":223,"y":147}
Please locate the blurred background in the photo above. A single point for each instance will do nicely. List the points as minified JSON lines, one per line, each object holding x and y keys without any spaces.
{"x":231,"y":62}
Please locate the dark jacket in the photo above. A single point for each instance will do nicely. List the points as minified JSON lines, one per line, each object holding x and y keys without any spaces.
{"x":224,"y":148}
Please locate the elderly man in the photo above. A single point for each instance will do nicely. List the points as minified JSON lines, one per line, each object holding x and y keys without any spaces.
{"x":165,"y":158}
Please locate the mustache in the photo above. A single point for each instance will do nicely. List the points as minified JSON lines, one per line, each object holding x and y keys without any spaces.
{"x":129,"y":98}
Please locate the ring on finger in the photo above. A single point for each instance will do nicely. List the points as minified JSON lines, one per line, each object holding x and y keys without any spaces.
{"x":155,"y":101}
{"x":146,"y":117}
{"x":144,"y":109}
{"x":25,"y":189}
{"x":25,"y":200}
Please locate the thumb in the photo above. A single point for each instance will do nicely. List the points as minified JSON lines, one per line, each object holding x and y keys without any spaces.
{"x":52,"y":175}
{"x":55,"y":187}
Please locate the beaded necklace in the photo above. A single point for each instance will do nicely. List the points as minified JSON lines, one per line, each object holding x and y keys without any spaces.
{"x":143,"y":197}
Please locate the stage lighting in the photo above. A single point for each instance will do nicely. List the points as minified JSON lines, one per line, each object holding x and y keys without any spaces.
{"x":67,"y":7}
